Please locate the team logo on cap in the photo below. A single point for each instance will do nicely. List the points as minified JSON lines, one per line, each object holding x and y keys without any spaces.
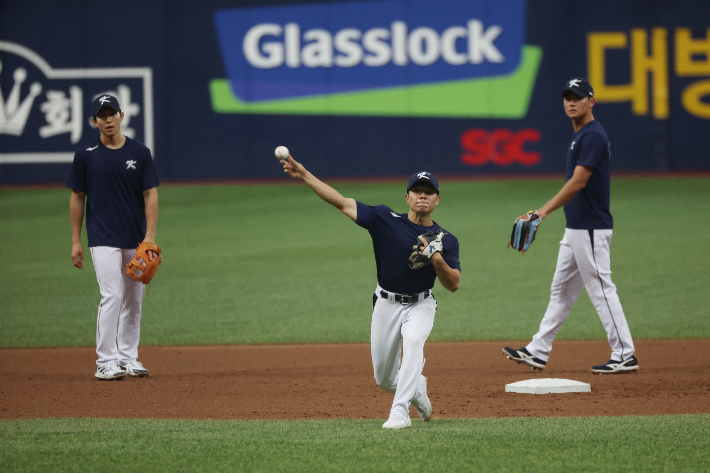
{"x":574,"y":83}
{"x":422,"y":175}
{"x":105,"y":99}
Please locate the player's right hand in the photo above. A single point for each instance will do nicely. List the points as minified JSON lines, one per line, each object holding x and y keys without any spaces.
{"x":77,"y":255}
{"x":293,"y":168}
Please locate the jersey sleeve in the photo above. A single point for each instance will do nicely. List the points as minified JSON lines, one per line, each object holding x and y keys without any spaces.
{"x":77,"y":176}
{"x":367,"y":215}
{"x":591,"y":149}
{"x":451,"y":251}
{"x":149,"y":178}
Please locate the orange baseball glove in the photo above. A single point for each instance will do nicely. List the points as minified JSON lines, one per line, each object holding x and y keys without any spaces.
{"x":142,"y":268}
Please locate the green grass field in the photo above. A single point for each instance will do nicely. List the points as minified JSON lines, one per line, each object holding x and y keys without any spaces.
{"x":248,"y":264}
{"x":274,"y":264}
{"x":603,"y":444}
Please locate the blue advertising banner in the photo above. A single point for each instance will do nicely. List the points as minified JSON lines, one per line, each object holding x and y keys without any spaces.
{"x":316,"y":49}
{"x":458,"y":87}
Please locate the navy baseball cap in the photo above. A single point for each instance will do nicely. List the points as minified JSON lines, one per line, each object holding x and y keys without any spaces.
{"x":580,"y":87}
{"x":421,"y":178}
{"x":105,"y":100}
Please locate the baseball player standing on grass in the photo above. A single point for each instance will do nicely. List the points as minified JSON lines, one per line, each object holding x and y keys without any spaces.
{"x":411,"y":251}
{"x":584,"y":258}
{"x":115,"y":176}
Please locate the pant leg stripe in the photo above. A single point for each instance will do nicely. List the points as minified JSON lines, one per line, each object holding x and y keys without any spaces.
{"x":611,"y":314}
{"x":122,"y":326}
{"x":101,"y":303}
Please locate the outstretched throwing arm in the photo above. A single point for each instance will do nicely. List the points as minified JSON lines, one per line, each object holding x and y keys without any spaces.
{"x":296,"y":170}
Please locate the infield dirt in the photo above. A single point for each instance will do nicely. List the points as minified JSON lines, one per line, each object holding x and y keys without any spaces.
{"x":466,"y":380}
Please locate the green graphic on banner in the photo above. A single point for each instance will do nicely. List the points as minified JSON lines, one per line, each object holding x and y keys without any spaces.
{"x":500,"y":97}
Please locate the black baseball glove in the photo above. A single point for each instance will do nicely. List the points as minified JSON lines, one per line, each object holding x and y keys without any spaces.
{"x":421,"y":254}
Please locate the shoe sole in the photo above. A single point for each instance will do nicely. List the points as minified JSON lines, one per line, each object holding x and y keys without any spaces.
{"x":114,"y":378}
{"x":138,"y":375}
{"x":397,"y":427}
{"x":520,"y":361}
{"x":622,"y":371}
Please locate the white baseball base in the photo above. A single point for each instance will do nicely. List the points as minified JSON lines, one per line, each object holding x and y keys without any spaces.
{"x":548,"y":385}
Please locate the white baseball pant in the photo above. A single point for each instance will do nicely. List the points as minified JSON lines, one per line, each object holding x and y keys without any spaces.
{"x":119,"y":318}
{"x":584,"y":261}
{"x":397,"y":338}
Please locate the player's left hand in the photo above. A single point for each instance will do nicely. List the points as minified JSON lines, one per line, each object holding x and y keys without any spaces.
{"x":428,"y":246}
{"x":524,"y":230}
{"x":432,"y":248}
{"x":540,"y":213}
{"x":151,"y":253}
{"x":143,"y":266}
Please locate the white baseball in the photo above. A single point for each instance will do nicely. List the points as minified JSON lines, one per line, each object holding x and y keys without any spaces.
{"x":281,"y":153}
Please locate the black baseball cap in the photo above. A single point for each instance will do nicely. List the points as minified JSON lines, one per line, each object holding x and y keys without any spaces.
{"x":580,"y":87}
{"x":421,"y":178}
{"x":104,"y":100}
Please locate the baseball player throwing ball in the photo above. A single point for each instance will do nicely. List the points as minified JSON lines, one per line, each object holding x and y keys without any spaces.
{"x":584,"y":258}
{"x":411,"y":251}
{"x":115,"y":176}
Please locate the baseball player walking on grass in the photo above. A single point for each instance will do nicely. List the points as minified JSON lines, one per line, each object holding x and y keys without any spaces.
{"x":115,"y":176}
{"x":411,"y":251}
{"x":584,"y":258}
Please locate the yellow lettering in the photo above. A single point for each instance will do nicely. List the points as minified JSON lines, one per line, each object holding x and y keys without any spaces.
{"x":656,"y":64}
{"x":685,"y":48}
{"x":692,"y":99}
{"x":642,"y":64}
{"x":597,"y":44}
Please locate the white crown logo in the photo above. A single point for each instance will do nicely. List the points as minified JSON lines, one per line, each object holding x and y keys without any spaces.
{"x":13,"y":114}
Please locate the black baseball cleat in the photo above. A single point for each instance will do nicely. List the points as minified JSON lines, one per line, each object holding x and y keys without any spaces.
{"x":522,"y":355}
{"x":614,"y":367}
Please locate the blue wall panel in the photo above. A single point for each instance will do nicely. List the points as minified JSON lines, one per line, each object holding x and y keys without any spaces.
{"x":165,"y":60}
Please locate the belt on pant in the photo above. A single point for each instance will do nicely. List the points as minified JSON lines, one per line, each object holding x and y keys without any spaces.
{"x":405,"y":298}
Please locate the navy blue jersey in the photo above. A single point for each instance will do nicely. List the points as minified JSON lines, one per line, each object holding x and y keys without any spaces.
{"x":114,"y":181}
{"x":590,"y":208}
{"x":393,"y":236}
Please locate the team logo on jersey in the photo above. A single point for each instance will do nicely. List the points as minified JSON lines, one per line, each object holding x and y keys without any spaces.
{"x":395,"y":215}
{"x":130,"y":164}
{"x":573,"y":143}
{"x":91,"y":149}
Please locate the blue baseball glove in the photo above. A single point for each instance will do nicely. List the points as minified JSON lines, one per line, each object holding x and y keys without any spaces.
{"x":524,"y":230}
